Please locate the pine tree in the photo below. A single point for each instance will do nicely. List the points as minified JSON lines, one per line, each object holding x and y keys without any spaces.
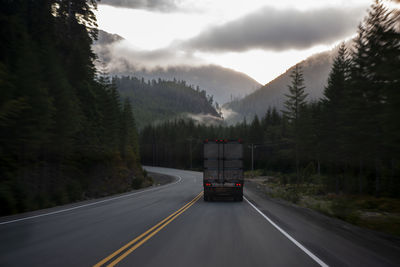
{"x":295,"y":103}
{"x":129,"y":136}
{"x":371,"y":77}
{"x":389,"y":71}
{"x":255,"y":131}
{"x":296,"y":98}
{"x":336,"y":103}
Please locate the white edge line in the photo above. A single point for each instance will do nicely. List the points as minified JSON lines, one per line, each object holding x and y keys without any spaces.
{"x":305,"y":250}
{"x":91,"y":204}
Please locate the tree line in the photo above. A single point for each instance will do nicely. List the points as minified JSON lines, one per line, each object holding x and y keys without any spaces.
{"x":64,"y":134}
{"x":349,"y":140}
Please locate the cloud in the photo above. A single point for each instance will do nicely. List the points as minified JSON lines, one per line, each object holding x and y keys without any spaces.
{"x":154,"y":5}
{"x":121,"y":56}
{"x":273,"y":29}
{"x":205,"y":119}
{"x":228,"y":113}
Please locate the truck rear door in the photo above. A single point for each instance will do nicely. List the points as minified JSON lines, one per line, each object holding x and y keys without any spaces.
{"x":223,"y":161}
{"x":233,"y":161}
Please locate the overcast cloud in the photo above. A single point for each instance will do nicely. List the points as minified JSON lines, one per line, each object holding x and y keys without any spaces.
{"x":278,"y":30}
{"x":121,"y":56}
{"x":155,"y":5}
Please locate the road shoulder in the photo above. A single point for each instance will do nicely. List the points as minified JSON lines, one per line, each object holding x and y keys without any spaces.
{"x":337,"y":237}
{"x":160,"y":180}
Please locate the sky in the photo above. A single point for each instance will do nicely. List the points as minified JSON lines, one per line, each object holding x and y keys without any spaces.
{"x":260,"y":38}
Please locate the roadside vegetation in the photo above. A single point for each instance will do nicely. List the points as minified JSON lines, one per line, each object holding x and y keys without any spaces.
{"x":376,"y":213}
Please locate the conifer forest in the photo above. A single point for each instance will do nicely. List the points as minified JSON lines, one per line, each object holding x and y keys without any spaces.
{"x":349,"y":140}
{"x":64,"y":133}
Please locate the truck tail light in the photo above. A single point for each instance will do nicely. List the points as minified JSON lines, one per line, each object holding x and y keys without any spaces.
{"x":208,"y":184}
{"x":238,"y":184}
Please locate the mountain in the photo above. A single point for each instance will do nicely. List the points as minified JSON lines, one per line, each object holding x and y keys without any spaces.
{"x":105,"y":38}
{"x":223,"y":83}
{"x":315,"y":69}
{"x":159,"y":100}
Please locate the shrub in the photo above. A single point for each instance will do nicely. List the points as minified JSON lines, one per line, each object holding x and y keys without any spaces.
{"x":342,"y":209}
{"x":137,"y":182}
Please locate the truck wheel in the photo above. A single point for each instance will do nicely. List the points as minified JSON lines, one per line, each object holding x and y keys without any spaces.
{"x":239,"y":198}
{"x":206,"y":198}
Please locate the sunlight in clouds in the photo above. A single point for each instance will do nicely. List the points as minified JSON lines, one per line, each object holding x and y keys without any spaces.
{"x":152,"y":29}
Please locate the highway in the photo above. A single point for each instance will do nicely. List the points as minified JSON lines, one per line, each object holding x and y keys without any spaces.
{"x":171,"y":225}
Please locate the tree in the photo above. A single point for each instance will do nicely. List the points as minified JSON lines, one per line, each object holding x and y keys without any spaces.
{"x":128,"y":135}
{"x":296,"y":98}
{"x":372,"y":81}
{"x":294,"y":104}
{"x":336,"y":103}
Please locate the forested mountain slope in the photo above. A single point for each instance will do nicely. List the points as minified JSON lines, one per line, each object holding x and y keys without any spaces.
{"x":316,"y":70}
{"x":223,"y":83}
{"x":159,"y":100}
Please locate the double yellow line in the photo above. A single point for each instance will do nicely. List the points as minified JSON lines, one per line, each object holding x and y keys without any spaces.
{"x":134,"y":244}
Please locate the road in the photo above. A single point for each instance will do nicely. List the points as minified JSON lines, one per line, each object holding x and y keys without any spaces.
{"x":171,"y":225}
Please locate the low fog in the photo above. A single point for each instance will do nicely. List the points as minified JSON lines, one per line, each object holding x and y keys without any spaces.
{"x":122,"y":55}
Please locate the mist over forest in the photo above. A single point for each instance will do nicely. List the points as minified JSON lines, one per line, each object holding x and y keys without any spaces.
{"x":115,"y":54}
{"x":339,"y":129}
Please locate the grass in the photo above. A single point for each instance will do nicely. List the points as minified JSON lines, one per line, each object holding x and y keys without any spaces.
{"x":380,"y":214}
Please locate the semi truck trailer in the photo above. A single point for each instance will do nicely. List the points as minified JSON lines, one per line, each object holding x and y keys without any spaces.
{"x":223,"y":169}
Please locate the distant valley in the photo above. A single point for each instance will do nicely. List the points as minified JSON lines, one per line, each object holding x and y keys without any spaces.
{"x":222,"y":83}
{"x":241,"y":96}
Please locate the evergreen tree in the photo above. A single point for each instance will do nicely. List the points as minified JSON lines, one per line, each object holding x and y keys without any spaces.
{"x":296,"y":98}
{"x":375,"y":50}
{"x":129,"y":137}
{"x":256,"y":134}
{"x":336,"y":103}
{"x":295,"y":103}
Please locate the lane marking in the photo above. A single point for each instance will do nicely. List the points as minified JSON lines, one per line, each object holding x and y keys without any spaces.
{"x":142,"y":235}
{"x":93,"y":203}
{"x":150,"y":236}
{"x":146,"y":235}
{"x":304,"y":249}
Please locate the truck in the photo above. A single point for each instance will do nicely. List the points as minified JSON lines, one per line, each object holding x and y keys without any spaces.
{"x":223,"y":169}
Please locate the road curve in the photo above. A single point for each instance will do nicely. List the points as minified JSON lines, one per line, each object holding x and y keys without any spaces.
{"x":162,"y":226}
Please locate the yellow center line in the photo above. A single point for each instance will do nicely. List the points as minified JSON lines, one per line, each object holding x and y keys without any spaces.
{"x":149,"y":236}
{"x":161,"y":225}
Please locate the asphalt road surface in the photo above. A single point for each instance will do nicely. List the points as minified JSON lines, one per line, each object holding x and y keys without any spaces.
{"x":171,"y":225}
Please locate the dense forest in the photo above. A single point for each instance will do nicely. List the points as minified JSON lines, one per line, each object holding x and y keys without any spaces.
{"x":64,"y":134}
{"x":349,"y":140}
{"x":159,"y":100}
